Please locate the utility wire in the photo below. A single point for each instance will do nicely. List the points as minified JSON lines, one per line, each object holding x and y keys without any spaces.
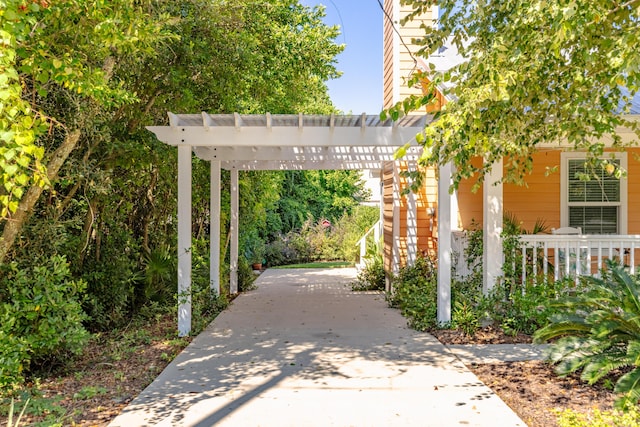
{"x":393,"y":25}
{"x":343,"y":32}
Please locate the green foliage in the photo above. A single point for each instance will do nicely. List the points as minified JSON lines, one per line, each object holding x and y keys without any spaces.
{"x":465,"y":317}
{"x":89,"y":392}
{"x":372,"y":276}
{"x":598,"y":331}
{"x":55,"y":50}
{"x":523,"y":309}
{"x":10,"y":422}
{"x":596,"y":418}
{"x":314,"y":241}
{"x":413,"y":291}
{"x":40,"y":318}
{"x":536,"y":72}
{"x":318,"y":195}
{"x":317,"y":264}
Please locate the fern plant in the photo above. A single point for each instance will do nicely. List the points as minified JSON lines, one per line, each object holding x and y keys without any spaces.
{"x":598,"y":331}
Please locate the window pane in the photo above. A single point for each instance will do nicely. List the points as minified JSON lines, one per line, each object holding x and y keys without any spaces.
{"x":594,"y":219}
{"x":602,"y":187}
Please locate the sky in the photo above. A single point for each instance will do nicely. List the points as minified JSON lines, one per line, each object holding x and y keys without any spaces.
{"x":359,"y":89}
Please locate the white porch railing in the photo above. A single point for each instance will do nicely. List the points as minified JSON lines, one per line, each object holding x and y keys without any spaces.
{"x":552,"y":257}
{"x":460,"y":263}
{"x":376,"y":229}
{"x":559,"y":256}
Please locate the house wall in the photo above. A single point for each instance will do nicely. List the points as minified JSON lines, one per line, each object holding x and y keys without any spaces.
{"x":387,"y":58}
{"x":387,"y":218}
{"x":633,"y":167}
{"x":398,"y":64}
{"x":540,"y":198}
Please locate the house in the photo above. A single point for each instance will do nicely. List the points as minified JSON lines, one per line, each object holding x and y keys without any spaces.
{"x":600,"y":212}
{"x":413,"y":223}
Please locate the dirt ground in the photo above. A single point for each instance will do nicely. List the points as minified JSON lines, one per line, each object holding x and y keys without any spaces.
{"x":110,"y":373}
{"x":531,"y":389}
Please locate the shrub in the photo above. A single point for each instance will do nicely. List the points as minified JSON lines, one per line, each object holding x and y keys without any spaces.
{"x":205,"y":305}
{"x":41,"y":318}
{"x":517,"y":308}
{"x":314,"y":241}
{"x":598,"y":331}
{"x":413,"y":291}
{"x":371,"y":277}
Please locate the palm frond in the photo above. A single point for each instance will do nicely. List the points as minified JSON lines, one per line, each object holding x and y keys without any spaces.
{"x":629,"y":385}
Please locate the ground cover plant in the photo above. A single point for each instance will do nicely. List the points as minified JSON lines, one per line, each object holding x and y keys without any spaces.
{"x":597,"y":332}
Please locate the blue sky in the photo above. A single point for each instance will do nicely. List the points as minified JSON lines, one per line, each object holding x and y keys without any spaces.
{"x":359,"y":90}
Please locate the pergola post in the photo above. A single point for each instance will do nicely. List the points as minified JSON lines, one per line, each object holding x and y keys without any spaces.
{"x":444,"y":243}
{"x":184,"y":240}
{"x":214,"y":228}
{"x":233,"y":234}
{"x":412,"y":221}
{"x":492,"y":213}
{"x":395,"y":249}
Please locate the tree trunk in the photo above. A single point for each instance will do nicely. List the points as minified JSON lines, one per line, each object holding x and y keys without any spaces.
{"x":13,"y":226}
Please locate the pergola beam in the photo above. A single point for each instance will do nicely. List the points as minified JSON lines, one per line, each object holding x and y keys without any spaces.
{"x":285,"y":136}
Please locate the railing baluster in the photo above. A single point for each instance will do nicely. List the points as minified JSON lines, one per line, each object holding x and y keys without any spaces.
{"x":567,"y":259}
{"x":524,"y":264}
{"x":599,"y":256}
{"x":545,"y":260}
{"x":534,"y":259}
{"x":556,"y":262}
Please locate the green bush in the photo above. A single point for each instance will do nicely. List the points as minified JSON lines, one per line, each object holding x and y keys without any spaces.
{"x":523,"y":309}
{"x":41,"y":318}
{"x":597,"y":328}
{"x":413,"y":291}
{"x":371,"y":277}
{"x":465,"y":317}
{"x":205,"y":305}
{"x":315,"y":242}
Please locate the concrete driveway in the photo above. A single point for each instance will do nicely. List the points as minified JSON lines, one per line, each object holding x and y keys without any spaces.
{"x":304,"y":350}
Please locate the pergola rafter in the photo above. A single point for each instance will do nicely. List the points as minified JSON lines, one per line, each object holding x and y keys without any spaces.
{"x":269,"y":142}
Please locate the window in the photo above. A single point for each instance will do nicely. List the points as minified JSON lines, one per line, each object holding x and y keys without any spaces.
{"x":597,"y":206}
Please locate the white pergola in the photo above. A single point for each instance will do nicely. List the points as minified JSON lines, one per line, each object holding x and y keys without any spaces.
{"x":269,"y":142}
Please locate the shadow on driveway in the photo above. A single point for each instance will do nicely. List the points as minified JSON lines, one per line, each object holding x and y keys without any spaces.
{"x":304,"y":350}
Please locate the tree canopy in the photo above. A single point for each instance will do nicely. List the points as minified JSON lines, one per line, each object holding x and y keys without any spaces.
{"x":535,"y":72}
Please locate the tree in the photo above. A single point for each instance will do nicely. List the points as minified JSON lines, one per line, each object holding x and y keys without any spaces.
{"x":57,"y":76}
{"x":110,"y":208}
{"x":319,"y":195}
{"x":536,"y":72}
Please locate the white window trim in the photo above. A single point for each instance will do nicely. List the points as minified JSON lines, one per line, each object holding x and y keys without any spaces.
{"x":564,"y":188}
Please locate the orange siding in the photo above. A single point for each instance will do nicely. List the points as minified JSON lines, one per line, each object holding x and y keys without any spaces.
{"x":540,"y":199}
{"x":398,"y":54}
{"x":387,"y":61}
{"x":440,"y":100}
{"x":470,"y":203}
{"x":633,"y":191}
